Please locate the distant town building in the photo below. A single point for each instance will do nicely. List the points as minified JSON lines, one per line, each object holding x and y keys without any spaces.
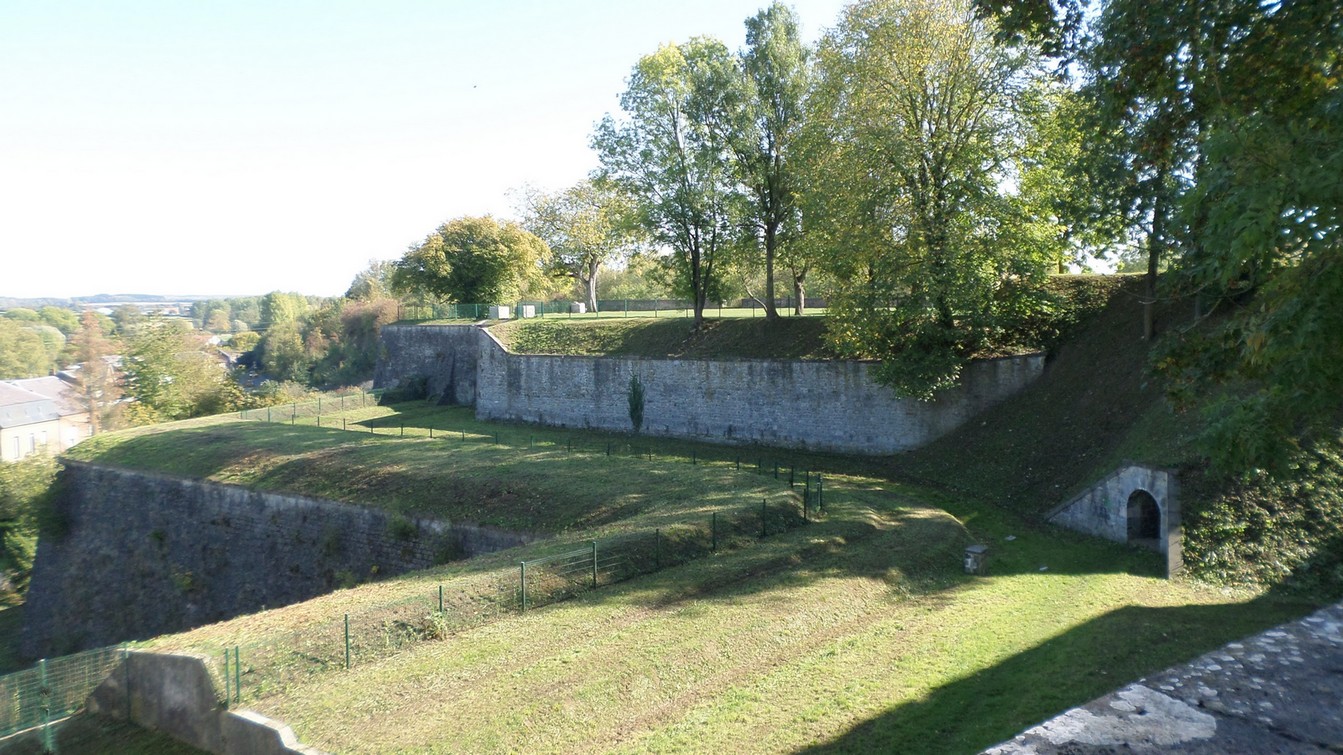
{"x":40,"y":415}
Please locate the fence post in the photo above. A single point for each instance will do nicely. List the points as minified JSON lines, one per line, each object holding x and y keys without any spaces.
{"x":319,"y":406}
{"x":44,"y":694}
{"x":268,"y":414}
{"x":713,"y":529}
{"x":522,"y":581}
{"x":764,"y":511}
{"x":738,"y":462}
{"x":440,"y":598}
{"x":237,"y":675}
{"x":431,"y":432}
{"x":594,"y":564}
{"x":820,"y":493}
{"x":347,"y":642}
{"x":694,"y":459}
{"x":791,"y":469}
{"x":228,"y":686}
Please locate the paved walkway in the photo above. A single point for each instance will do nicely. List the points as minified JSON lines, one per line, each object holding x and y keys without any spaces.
{"x":1277,"y":692}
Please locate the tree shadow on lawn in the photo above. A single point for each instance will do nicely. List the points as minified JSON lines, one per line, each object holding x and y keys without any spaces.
{"x":1067,"y":670}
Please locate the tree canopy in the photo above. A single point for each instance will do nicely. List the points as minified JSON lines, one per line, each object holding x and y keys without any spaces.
{"x":475,"y":260}
{"x":586,"y":226}
{"x":915,"y":131}
{"x":666,"y":155}
{"x":1224,"y":122}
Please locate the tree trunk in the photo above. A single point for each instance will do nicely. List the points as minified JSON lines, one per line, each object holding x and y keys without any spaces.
{"x":591,"y":284}
{"x":799,"y":297}
{"x":1154,"y":256}
{"x":771,"y":241}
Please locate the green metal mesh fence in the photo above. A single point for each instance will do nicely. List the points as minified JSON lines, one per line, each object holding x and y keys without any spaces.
{"x":53,"y":689}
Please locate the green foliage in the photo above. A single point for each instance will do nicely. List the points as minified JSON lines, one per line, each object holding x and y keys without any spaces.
{"x":760,"y":115}
{"x":24,"y":353}
{"x":245,"y":341}
{"x":26,"y":491}
{"x":401,"y":528}
{"x":1270,"y":529}
{"x":373,"y":282}
{"x":668,"y":156}
{"x":60,"y":318}
{"x":933,"y":257}
{"x":1217,"y":131}
{"x":587,"y":226}
{"x":636,"y":402}
{"x":171,"y":374}
{"x":472,"y":260}
{"x":279,"y":308}
{"x":22,"y":314}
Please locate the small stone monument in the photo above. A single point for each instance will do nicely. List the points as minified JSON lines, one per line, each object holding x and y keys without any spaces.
{"x":976,"y":559}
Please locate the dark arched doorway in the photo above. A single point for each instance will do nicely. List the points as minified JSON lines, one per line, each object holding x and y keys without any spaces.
{"x":1144,"y":520}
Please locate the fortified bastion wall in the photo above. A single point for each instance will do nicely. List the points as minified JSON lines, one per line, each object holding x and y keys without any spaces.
{"x":142,"y":554}
{"x":818,"y":405}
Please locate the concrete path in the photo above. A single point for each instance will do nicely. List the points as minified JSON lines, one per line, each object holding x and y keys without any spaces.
{"x":1277,"y":692}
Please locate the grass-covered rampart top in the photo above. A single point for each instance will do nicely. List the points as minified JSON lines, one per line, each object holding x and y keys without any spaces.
{"x":1069,"y":300}
{"x":466,"y":473}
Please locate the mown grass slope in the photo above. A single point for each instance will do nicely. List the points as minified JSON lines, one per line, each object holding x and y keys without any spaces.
{"x":856,"y":633}
{"x":1095,"y":406}
{"x":728,"y":338}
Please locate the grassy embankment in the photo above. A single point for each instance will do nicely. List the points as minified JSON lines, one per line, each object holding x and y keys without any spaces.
{"x":858,"y":633}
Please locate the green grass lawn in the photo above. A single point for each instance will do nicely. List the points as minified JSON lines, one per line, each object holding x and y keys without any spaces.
{"x":857,"y":633}
{"x":718,"y":338}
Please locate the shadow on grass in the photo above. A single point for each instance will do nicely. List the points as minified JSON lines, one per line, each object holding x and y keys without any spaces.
{"x":1070,"y":669}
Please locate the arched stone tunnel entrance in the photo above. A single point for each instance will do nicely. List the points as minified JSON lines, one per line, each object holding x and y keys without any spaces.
{"x":1144,"y":520}
{"x":1134,"y":504}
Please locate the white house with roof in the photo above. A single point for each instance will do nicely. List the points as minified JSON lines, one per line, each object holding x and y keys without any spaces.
{"x":39,"y":415}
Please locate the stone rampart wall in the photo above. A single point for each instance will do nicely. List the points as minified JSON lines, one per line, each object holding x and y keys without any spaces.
{"x":444,"y":355}
{"x":821,"y":405}
{"x":145,"y":554}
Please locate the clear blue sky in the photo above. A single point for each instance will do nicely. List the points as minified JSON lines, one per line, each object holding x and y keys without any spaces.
{"x":240,"y":147}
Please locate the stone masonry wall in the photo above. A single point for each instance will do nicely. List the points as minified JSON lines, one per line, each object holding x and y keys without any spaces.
{"x":1102,"y":509}
{"x":443,"y":354}
{"x":831,"y":406}
{"x":146,"y":554}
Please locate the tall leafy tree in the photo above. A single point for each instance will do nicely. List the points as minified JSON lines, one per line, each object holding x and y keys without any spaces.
{"x":98,"y":385}
{"x":23,"y":351}
{"x":171,"y":374}
{"x":915,"y":132}
{"x":760,"y":118}
{"x":666,"y":155}
{"x":472,"y":260}
{"x":1227,"y":116}
{"x":373,"y":282}
{"x":586,"y":226}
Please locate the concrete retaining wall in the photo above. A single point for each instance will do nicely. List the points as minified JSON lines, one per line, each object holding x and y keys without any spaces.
{"x":830,"y":406}
{"x":147,"y":554}
{"x":176,"y":695}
